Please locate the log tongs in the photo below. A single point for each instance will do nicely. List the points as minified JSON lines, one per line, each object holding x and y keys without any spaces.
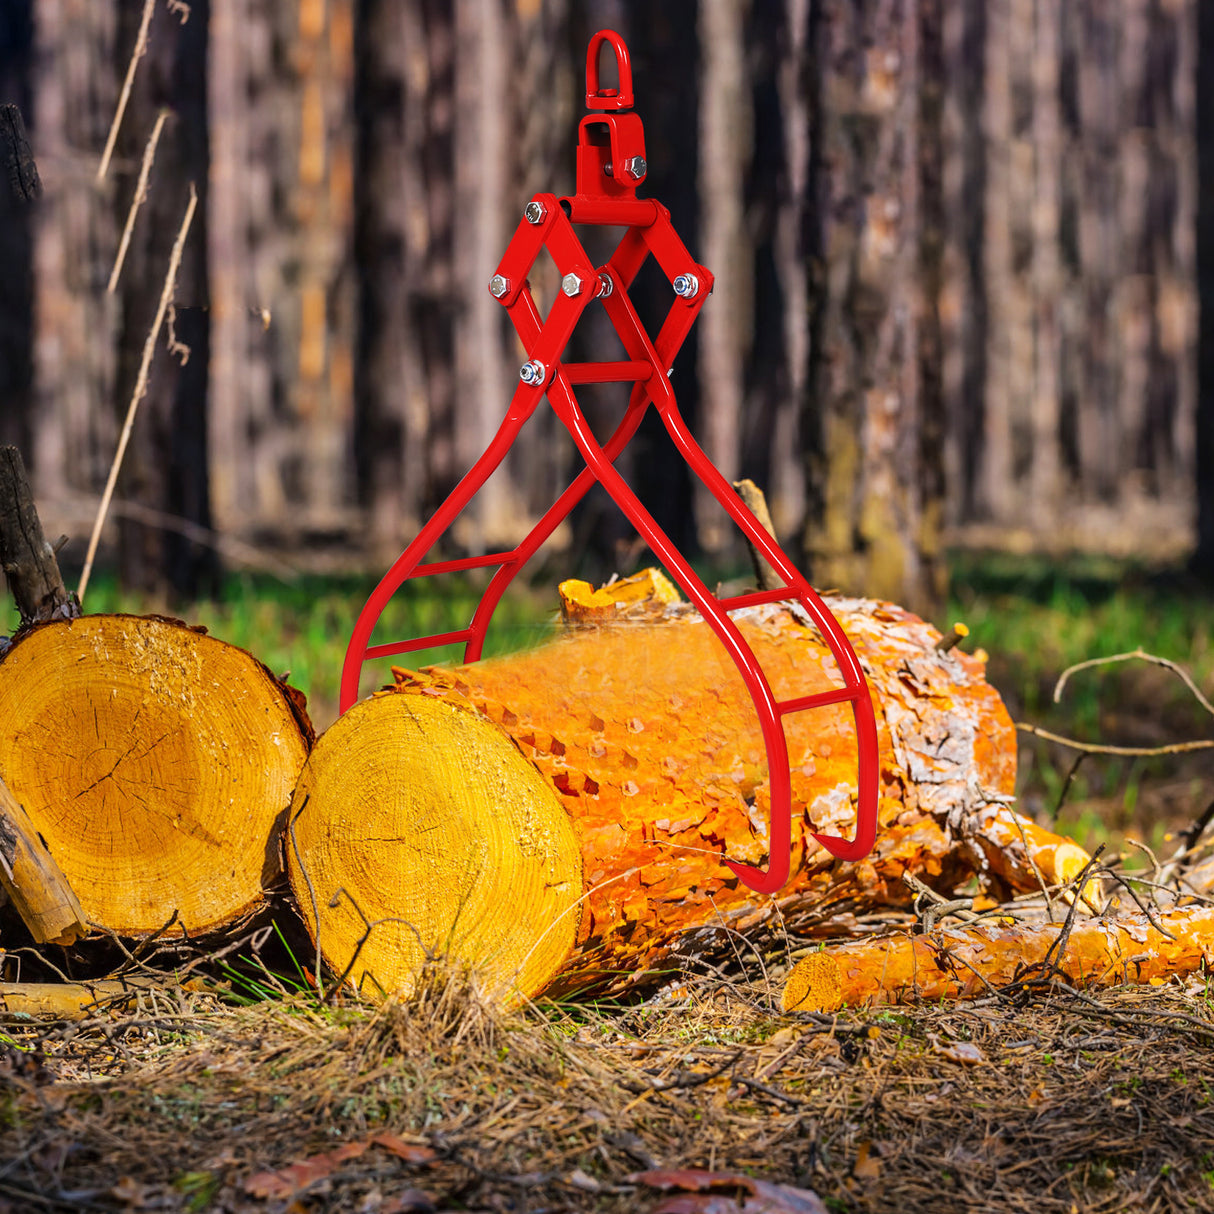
{"x":610,"y":166}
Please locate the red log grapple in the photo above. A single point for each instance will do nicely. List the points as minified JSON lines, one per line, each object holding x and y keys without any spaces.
{"x":610,"y":166}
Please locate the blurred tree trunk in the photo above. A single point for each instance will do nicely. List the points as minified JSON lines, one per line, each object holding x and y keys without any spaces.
{"x":16,"y":241}
{"x":1098,"y":249}
{"x":481,"y":182}
{"x":963,"y":304}
{"x":1045,"y":476}
{"x":322,"y":206}
{"x":404,"y":220}
{"x":74,"y":431}
{"x":725,"y":126}
{"x":874,"y":231}
{"x":1204,"y":105}
{"x":165,"y":468}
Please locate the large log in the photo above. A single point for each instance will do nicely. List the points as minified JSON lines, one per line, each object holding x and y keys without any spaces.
{"x":157,"y":764}
{"x":642,"y":725}
{"x":966,"y":962}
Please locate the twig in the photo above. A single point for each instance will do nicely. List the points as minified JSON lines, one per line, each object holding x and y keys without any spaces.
{"x":141,"y":387}
{"x":1137,"y":655}
{"x":141,"y":46}
{"x":681,"y":1079}
{"x":955,"y":635}
{"x":227,"y":546}
{"x":1124,"y":882}
{"x":1096,"y":748}
{"x":962,"y":908}
{"x":1028,"y":853}
{"x":1056,"y":951}
{"x":755,"y":1086}
{"x":1190,"y":835}
{"x":1066,"y":784}
{"x":141,"y":193}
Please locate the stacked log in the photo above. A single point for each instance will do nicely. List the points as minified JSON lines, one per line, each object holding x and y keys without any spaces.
{"x":155,"y":762}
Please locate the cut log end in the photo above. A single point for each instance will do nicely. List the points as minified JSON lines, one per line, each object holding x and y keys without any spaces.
{"x":419,"y":831}
{"x":815,"y":985}
{"x":155,"y":762}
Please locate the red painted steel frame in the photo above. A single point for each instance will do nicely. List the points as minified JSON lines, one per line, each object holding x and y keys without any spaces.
{"x":609,"y":170}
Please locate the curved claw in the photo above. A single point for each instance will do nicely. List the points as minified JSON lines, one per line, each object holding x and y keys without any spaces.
{"x":769,"y":881}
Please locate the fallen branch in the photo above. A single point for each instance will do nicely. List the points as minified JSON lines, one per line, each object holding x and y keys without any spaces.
{"x":964,"y":962}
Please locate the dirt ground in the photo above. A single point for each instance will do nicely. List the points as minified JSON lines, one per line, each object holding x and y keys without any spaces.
{"x":1041,"y":1101}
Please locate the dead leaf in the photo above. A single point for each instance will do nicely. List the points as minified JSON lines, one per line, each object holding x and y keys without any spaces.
{"x":704,"y":1192}
{"x":131,"y":1193}
{"x":295,"y":1176}
{"x":410,"y":1152}
{"x":411,"y":1201}
{"x":867,"y":1165}
{"x":964,"y":1052}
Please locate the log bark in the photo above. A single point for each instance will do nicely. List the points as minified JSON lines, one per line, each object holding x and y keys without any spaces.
{"x":156,"y":762}
{"x":966,"y":962}
{"x":643,"y":727}
{"x":35,"y":884}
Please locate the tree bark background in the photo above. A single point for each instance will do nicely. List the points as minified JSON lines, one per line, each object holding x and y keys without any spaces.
{"x":873,"y":227}
{"x":16,"y":239}
{"x":956,"y":246}
{"x":165,"y":466}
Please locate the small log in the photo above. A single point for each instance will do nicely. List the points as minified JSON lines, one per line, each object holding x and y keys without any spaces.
{"x":33,"y":881}
{"x":156,"y":762}
{"x":967,"y":962}
{"x":77,"y":1000}
{"x":27,"y":559}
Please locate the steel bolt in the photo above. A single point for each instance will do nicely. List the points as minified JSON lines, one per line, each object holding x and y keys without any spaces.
{"x":686,"y":286}
{"x":606,"y":286}
{"x":499,"y":286}
{"x":533,"y":373}
{"x":636,"y":167}
{"x":534,"y":212}
{"x":571,"y":284}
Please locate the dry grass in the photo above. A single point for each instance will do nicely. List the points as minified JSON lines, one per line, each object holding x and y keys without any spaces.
{"x":1075,"y":1103}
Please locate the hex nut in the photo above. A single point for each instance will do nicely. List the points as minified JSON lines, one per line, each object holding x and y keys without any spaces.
{"x":686,"y":286}
{"x":636,"y":167}
{"x":499,"y":286}
{"x":571,"y":284}
{"x":533,"y":372}
{"x":535,"y":212}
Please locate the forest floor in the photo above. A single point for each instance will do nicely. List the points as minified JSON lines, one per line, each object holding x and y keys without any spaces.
{"x":268,"y":1098}
{"x":1033,"y":1102}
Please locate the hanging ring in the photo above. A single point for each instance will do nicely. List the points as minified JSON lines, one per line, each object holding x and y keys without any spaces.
{"x":608,"y":99}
